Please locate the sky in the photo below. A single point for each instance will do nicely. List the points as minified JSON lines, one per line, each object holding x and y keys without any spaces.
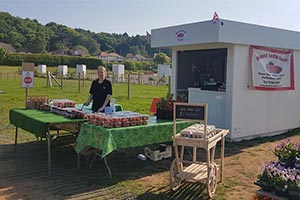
{"x":135,"y":17}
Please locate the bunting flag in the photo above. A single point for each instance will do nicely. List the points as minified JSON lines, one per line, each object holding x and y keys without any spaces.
{"x":148,"y":35}
{"x":215,"y":18}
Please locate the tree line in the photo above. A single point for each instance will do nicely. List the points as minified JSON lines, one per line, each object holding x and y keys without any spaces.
{"x":37,"y":38}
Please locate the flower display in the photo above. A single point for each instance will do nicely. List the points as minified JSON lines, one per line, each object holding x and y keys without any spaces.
{"x":284,"y":175}
{"x":286,"y":152}
{"x":280,"y":176}
{"x":293,"y":182}
{"x":266,"y":173}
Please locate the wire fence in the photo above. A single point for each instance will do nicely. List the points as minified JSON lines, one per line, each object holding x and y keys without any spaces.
{"x":9,"y":75}
{"x":135,"y":78}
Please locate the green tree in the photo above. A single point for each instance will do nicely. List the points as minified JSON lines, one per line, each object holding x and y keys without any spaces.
{"x":14,"y":38}
{"x":3,"y":54}
{"x":123,"y":49}
{"x":130,"y":65}
{"x":38,"y":43}
{"x":161,"y":58}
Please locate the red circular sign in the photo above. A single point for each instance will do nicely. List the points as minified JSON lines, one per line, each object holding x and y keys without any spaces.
{"x":27,"y":80}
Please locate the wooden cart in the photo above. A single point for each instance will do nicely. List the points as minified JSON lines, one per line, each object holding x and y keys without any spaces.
{"x":209,"y":172}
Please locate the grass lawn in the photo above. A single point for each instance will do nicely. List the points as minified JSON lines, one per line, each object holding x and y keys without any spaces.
{"x":14,"y":96}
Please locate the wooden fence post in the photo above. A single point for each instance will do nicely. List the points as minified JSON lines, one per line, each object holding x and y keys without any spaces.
{"x":83,"y":78}
{"x":139,"y":78}
{"x":61,"y":79}
{"x":169,"y":85}
{"x":79,"y":77}
{"x":128,"y":92}
{"x":26,"y":96}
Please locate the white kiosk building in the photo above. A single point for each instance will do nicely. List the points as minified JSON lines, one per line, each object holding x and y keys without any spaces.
{"x":63,"y":69}
{"x":248,"y":74}
{"x":42,"y":69}
{"x":163,"y":70}
{"x":118,"y":72}
{"x":81,"y":69}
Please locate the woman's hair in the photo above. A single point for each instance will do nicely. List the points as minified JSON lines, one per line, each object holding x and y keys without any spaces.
{"x":101,"y":67}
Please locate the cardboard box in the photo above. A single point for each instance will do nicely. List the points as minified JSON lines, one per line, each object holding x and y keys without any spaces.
{"x":162,"y":151}
{"x":35,"y":102}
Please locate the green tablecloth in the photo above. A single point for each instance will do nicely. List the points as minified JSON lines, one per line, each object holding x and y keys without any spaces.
{"x":36,"y":121}
{"x":110,"y":139}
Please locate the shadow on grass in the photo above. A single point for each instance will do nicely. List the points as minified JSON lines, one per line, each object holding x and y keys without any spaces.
{"x":186,"y":191}
{"x":236,"y":147}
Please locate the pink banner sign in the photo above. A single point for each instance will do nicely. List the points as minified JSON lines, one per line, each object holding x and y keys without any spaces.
{"x":272,"y":69}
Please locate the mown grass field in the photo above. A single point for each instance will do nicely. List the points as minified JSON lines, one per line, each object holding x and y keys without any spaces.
{"x":14,"y":96}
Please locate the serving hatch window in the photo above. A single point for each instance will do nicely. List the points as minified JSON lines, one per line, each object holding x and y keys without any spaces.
{"x":205,"y":69}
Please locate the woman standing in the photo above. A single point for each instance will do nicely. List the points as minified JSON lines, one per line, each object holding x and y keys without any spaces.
{"x":100,"y":91}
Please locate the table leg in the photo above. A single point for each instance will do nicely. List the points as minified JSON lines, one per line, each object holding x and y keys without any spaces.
{"x":16,"y":138}
{"x":78,"y":161}
{"x":108,"y":169}
{"x":49,"y":150}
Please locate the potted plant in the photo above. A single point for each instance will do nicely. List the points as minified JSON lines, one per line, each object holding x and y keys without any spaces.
{"x":265,"y":177}
{"x":286,"y":153}
{"x":280,"y":180}
{"x":165,"y":108}
{"x":297,"y":155}
{"x":293,"y":184}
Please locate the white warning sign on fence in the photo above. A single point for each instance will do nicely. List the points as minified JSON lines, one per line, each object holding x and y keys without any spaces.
{"x":27,"y":79}
{"x":27,"y":75}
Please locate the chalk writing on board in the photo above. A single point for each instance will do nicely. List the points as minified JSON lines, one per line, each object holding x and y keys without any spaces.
{"x":190,"y":112}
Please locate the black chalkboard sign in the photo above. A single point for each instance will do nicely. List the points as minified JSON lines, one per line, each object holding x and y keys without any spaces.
{"x":191,"y":111}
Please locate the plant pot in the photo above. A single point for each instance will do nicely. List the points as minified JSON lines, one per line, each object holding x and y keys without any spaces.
{"x":265,"y":186}
{"x":164,"y":114}
{"x":285,"y":163}
{"x":294,"y":194}
{"x":297,"y":162}
{"x":297,"y":165}
{"x":280,"y":191}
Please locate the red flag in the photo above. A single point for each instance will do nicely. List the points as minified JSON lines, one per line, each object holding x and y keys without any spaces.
{"x":148,"y":35}
{"x":215,"y":18}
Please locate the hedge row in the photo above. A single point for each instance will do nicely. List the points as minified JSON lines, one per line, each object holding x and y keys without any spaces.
{"x":16,"y":59}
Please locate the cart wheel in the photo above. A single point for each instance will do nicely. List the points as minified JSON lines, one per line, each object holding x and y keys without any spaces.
{"x":175,"y":182}
{"x":212,"y":179}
